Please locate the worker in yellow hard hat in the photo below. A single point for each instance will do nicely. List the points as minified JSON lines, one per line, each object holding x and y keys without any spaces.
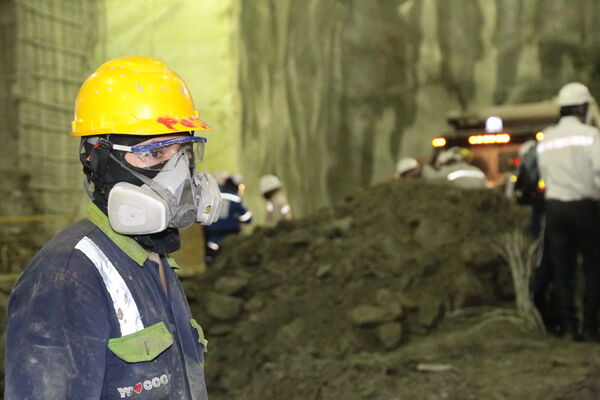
{"x":99,"y":312}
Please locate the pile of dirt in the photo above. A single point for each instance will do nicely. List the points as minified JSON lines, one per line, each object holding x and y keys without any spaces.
{"x":321,"y":300}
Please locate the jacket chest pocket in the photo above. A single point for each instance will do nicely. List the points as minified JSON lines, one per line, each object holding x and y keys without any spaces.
{"x":140,"y":364}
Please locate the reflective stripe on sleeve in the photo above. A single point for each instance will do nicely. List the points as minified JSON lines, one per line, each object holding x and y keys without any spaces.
{"x":126,"y":310}
{"x":246,"y":216}
{"x":563,"y":142}
{"x":465,"y":173}
{"x":212,"y":245}
{"x":231,"y":197}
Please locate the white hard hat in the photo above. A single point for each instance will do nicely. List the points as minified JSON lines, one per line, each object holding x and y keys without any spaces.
{"x":573,"y":94}
{"x":238,"y":179}
{"x":268,"y":183}
{"x":220,"y":176}
{"x":406,"y":164}
{"x":452,"y":154}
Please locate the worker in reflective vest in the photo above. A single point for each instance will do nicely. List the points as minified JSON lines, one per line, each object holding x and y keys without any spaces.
{"x":569,"y":161}
{"x":276,"y":202}
{"x":233,"y":215}
{"x":452,"y":168}
{"x":99,"y":312}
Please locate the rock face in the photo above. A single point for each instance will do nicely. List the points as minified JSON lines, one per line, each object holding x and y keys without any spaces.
{"x":304,"y":292}
{"x":334,"y":92}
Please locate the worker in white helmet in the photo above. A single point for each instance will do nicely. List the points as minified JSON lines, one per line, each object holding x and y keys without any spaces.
{"x":569,"y":161}
{"x":407,"y":167}
{"x":220,"y":176}
{"x":452,"y":167}
{"x":277,"y":204}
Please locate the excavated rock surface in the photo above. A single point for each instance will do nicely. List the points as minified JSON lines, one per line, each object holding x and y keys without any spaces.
{"x":334,"y":299}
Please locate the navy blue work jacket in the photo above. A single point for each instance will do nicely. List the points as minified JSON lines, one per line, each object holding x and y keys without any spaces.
{"x":233,"y":214}
{"x":89,"y":319}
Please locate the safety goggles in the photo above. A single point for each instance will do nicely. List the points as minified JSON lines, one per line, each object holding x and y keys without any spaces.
{"x":155,"y":155}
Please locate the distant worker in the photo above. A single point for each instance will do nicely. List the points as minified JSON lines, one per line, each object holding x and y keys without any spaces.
{"x":233,"y":215}
{"x":451,"y":166}
{"x":569,"y":161}
{"x":220,"y":176}
{"x":277,"y":204}
{"x":407,"y":168}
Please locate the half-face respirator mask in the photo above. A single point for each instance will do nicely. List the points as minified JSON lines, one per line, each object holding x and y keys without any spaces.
{"x":175,"y":197}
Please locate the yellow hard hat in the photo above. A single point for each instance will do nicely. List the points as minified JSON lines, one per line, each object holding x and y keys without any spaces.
{"x":134,"y":96}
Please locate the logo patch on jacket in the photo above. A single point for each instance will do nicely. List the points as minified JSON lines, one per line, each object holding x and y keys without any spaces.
{"x":148,"y":384}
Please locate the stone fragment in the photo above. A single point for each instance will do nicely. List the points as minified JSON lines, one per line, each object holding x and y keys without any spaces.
{"x":387,"y":300}
{"x":323,"y":270}
{"x":223,"y":307}
{"x":423,"y":367}
{"x":254,"y":304}
{"x":430,"y":313}
{"x":231,"y":284}
{"x":365,"y":315}
{"x":390,"y":334}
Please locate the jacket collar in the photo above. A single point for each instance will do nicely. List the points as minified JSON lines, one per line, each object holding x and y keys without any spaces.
{"x":127,"y":244}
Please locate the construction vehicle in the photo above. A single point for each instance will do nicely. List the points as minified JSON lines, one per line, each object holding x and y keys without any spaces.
{"x":492,"y":135}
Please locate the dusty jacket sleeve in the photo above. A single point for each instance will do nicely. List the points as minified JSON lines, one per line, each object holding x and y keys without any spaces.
{"x":56,"y":338}
{"x":242,"y":213}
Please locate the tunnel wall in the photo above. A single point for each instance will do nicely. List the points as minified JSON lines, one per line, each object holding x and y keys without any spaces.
{"x":334,"y":92}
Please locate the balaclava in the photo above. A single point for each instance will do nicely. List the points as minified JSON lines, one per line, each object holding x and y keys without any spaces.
{"x":102,"y":169}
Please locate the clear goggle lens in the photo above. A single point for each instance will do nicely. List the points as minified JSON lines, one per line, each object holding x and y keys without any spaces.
{"x":155,"y":155}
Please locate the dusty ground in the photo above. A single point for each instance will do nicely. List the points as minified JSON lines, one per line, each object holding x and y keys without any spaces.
{"x":396,"y":293}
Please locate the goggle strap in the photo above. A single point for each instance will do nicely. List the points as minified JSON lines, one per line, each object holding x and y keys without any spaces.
{"x":120,"y":147}
{"x":196,"y":139}
{"x":102,"y":147}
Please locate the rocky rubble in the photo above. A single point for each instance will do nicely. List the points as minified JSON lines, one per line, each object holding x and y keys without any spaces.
{"x":368,"y":275}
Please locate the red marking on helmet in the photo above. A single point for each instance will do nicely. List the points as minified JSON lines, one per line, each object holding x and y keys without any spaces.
{"x":169,"y":122}
{"x":187,"y":123}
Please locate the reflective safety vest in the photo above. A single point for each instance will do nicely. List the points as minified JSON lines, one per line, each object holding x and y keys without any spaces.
{"x":569,"y":160}
{"x":89,"y":319}
{"x":278,"y":209}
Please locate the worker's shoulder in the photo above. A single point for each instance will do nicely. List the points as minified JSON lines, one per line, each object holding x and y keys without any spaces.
{"x":586,"y":129}
{"x":574,"y":126}
{"x":59,"y":255}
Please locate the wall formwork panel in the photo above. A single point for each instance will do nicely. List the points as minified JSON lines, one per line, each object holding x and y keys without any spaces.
{"x":54,"y":53}
{"x":46,"y":51}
